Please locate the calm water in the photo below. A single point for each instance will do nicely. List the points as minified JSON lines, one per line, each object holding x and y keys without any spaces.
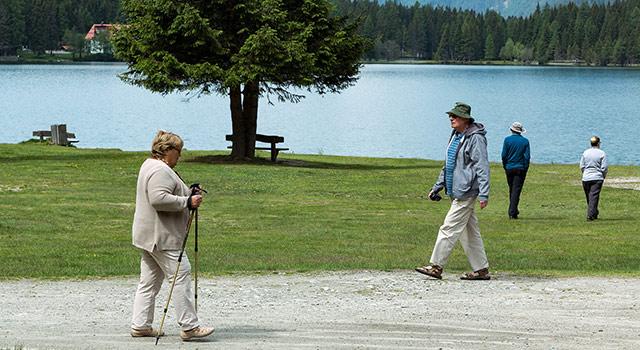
{"x":393,"y":110}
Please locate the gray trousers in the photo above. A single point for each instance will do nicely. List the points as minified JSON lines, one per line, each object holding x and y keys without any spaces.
{"x":592,"y":192}
{"x":154,"y":267}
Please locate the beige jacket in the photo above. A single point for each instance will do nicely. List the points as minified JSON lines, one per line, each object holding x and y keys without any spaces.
{"x":160,"y":219}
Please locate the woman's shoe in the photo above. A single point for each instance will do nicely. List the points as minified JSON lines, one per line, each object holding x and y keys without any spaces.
{"x":148,"y":332}
{"x":196,"y":333}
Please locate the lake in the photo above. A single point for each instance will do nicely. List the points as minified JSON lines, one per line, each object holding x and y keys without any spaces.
{"x":393,"y":110}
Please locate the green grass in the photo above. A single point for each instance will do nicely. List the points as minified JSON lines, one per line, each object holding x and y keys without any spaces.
{"x":67,"y":212}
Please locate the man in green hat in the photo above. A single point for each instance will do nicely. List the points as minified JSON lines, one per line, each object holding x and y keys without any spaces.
{"x":465,"y":178}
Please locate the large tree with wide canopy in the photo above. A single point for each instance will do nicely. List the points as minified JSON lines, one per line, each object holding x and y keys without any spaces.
{"x":242,"y":49}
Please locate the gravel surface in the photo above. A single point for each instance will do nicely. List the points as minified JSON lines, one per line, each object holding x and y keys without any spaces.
{"x":336,"y":310}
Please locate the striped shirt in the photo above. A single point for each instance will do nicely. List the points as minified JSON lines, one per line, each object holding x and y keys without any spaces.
{"x":451,"y":161}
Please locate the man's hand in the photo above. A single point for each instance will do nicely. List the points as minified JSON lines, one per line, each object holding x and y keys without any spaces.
{"x":483,"y":204}
{"x":434,"y":196}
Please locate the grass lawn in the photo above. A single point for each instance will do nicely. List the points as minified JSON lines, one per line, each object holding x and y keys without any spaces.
{"x":67,"y":212}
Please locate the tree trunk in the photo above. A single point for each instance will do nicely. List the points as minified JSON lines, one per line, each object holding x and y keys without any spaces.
{"x":244,"y":115}
{"x":238,"y":144}
{"x":250,"y":117}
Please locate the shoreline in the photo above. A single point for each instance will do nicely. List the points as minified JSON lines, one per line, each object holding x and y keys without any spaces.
{"x":60,"y":63}
{"x":498,"y":63}
{"x":222,"y":152}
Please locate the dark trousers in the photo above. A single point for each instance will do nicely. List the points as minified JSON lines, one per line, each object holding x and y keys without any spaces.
{"x":515,"y":179}
{"x":592,"y":192}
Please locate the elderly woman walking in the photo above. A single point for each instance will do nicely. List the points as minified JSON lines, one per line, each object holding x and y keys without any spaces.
{"x":163,"y":202}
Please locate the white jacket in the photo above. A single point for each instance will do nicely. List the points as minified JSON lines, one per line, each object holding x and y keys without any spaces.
{"x":593,"y":164}
{"x":161,"y":216}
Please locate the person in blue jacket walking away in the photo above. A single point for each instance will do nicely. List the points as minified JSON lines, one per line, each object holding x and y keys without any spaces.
{"x":516,"y":154}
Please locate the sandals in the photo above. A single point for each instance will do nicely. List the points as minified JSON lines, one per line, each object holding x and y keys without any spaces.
{"x":435,"y":271}
{"x":480,"y":275}
{"x":432,"y":270}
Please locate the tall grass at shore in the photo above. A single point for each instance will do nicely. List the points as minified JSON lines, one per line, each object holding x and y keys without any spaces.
{"x":67,"y":212}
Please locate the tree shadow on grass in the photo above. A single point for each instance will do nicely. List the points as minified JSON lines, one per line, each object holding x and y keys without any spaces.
{"x":296,"y":163}
{"x":559,"y":218}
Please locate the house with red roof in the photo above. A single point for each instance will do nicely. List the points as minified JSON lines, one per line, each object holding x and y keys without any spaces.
{"x":95,"y":46}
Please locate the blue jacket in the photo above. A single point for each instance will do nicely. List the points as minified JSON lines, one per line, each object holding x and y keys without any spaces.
{"x":516,"y":152}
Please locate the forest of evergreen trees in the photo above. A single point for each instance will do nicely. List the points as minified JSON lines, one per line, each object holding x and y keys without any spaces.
{"x":506,"y":8}
{"x":43,"y":25}
{"x":593,"y":34}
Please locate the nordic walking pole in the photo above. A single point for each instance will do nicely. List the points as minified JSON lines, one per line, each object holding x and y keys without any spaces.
{"x":197,"y":190}
{"x":196,"y":254}
{"x":175,"y":276}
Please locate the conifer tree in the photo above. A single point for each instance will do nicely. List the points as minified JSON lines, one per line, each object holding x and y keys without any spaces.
{"x":444,"y":51}
{"x":240,"y":50}
{"x":489,"y":48}
{"x":508,"y":50}
{"x":634,"y":37}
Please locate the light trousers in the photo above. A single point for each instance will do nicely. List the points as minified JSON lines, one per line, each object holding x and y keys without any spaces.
{"x":460,"y":223}
{"x":154,"y":266}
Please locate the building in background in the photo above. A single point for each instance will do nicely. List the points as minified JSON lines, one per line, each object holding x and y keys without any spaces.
{"x":98,"y":38}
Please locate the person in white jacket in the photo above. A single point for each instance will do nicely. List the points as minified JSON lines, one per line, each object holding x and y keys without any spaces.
{"x":594,"y":167}
{"x":163,"y":202}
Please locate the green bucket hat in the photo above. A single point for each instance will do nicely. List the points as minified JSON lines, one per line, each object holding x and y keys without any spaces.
{"x":461,"y":110}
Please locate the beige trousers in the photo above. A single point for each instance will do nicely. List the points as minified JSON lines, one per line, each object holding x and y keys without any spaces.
{"x":460,"y":223}
{"x":154,"y":266}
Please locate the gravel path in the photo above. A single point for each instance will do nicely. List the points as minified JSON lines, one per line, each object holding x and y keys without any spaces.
{"x":337,"y":310}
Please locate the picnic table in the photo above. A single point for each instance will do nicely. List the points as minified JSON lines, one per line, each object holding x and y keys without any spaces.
{"x":58,"y":135}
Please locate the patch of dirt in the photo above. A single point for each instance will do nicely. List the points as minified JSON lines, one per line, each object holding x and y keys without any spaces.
{"x":5,"y":188}
{"x":630,"y":183}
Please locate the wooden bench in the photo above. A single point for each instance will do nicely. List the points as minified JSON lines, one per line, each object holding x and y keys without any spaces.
{"x":271,"y":139}
{"x":58,"y":135}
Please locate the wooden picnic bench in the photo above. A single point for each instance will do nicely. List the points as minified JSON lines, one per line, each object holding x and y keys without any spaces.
{"x":271,"y":139}
{"x":58,"y":135}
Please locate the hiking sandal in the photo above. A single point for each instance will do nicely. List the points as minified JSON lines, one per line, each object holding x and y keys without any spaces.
{"x":480,"y":275}
{"x":432,"y":270}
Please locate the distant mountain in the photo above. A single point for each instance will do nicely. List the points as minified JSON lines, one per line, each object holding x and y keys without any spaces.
{"x":505,"y":7}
